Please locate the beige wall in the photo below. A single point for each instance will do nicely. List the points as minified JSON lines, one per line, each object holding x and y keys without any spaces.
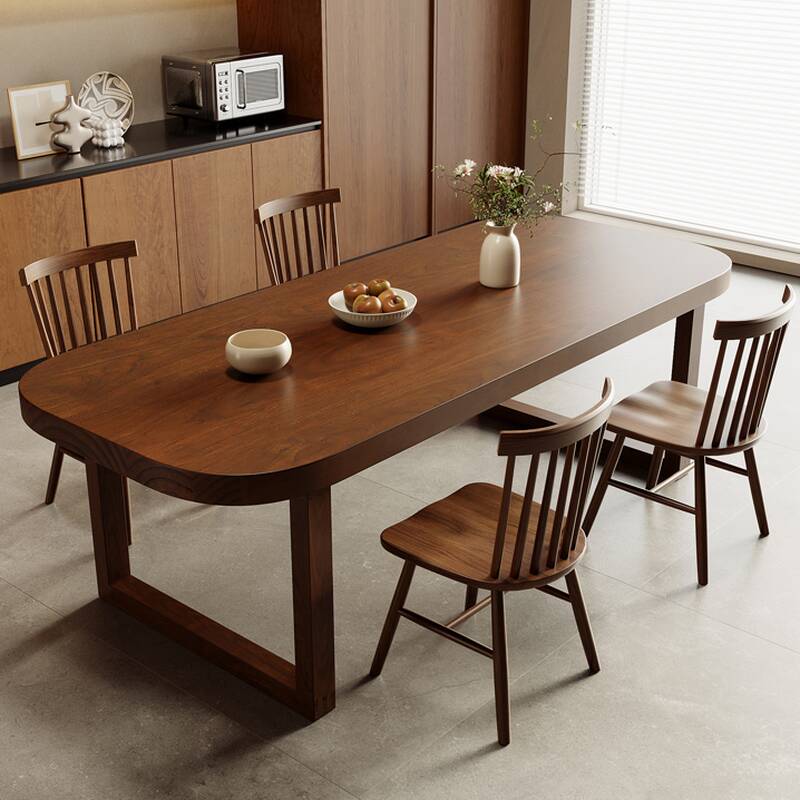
{"x":549,"y":64}
{"x":44,"y":40}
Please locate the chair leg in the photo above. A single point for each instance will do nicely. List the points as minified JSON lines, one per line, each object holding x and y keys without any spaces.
{"x":755,"y":490}
{"x":701,"y":520}
{"x":471,"y":597}
{"x":602,"y":484}
{"x":392,"y":618}
{"x":582,"y":621}
{"x":55,"y":474}
{"x":655,"y":467}
{"x":500,"y":659}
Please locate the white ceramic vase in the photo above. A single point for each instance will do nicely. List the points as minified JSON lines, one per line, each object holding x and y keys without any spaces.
{"x":499,"y":265}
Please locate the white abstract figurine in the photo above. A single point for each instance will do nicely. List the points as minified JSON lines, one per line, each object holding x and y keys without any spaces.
{"x":106,"y":132}
{"x":75,"y":133}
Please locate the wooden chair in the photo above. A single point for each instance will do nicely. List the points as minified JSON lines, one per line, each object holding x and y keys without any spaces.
{"x":299,"y":234}
{"x":489,"y":537}
{"x":79,"y":298}
{"x":701,"y":424}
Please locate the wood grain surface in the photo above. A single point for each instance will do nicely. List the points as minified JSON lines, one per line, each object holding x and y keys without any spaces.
{"x":34,"y":223}
{"x":216,"y":234}
{"x":137,"y":203}
{"x":162,"y":407}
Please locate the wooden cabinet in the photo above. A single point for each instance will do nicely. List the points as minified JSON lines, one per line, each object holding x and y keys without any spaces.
{"x":284,"y":166}
{"x":137,"y":203}
{"x":481,"y":76}
{"x":378,"y":122}
{"x":215,"y":224}
{"x":405,"y":86}
{"x":34,"y":223}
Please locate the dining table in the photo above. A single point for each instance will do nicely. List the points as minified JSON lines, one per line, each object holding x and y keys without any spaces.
{"x":160,"y":406}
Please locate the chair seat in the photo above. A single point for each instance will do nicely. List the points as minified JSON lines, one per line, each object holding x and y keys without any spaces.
{"x":668,"y":414}
{"x":455,"y":537}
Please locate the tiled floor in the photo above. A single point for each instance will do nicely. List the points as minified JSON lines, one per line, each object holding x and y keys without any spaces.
{"x":699,"y":696}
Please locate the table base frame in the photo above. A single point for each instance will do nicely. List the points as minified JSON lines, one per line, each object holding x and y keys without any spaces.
{"x":309,"y":685}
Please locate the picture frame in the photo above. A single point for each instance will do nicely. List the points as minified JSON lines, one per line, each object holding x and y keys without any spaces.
{"x":31,"y":108}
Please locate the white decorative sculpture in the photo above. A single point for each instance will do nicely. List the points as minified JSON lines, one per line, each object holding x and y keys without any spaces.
{"x":106,"y":133}
{"x":74,"y":133}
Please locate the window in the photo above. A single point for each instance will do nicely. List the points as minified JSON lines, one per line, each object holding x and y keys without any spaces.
{"x":691,"y":115}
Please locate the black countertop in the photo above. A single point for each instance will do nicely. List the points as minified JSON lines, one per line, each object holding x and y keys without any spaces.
{"x":145,"y":143}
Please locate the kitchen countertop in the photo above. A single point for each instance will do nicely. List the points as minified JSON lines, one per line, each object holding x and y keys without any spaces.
{"x":144,"y":144}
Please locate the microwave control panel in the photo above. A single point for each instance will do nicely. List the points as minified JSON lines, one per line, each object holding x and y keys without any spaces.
{"x":223,"y":81}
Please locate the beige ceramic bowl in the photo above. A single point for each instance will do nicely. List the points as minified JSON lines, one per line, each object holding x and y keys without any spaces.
{"x":258,"y":351}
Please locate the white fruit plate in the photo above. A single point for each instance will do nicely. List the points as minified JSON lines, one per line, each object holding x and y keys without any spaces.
{"x":383,"y":320}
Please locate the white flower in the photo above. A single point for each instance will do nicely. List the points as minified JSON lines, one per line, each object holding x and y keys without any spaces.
{"x":548,"y":207}
{"x":464,"y":169}
{"x":501,"y":173}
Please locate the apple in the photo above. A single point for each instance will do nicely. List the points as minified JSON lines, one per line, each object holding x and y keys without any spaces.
{"x":353,"y":290}
{"x":366,"y":304}
{"x":386,"y":293}
{"x":392,"y":302}
{"x":378,"y":285}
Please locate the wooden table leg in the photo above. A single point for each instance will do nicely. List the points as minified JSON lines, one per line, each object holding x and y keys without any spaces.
{"x":685,"y":366}
{"x":308,"y":686}
{"x":312,"y":588}
{"x":108,"y":507}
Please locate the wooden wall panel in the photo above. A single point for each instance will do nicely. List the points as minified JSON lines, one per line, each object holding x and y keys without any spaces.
{"x":295,"y":29}
{"x":378,"y":120}
{"x":481,"y":74}
{"x":216,"y":232}
{"x":137,"y":203}
{"x":34,"y":223}
{"x":281,"y":167}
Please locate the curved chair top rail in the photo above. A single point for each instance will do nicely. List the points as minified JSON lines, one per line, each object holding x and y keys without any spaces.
{"x":282,"y":205}
{"x":749,"y":328}
{"x":553,"y":437}
{"x":50,"y":265}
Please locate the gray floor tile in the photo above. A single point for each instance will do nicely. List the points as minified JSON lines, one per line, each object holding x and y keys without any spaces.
{"x":686,"y":705}
{"x":683,"y":707}
{"x":80,"y":720}
{"x":753,"y":582}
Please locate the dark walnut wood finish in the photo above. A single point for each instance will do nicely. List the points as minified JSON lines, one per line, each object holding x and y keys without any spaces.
{"x":79,"y":298}
{"x":701,"y":424}
{"x":489,"y":537}
{"x":299,"y":234}
{"x":161,"y":406}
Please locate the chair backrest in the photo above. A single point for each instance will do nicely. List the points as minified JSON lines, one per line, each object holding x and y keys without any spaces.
{"x":82,"y":297}
{"x":571,"y":450}
{"x":726,"y":421}
{"x":299,"y":234}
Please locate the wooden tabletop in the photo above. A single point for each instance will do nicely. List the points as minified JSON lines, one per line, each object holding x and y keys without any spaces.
{"x":162,"y":407}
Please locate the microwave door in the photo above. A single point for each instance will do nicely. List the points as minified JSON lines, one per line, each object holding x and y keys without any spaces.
{"x":258,"y":89}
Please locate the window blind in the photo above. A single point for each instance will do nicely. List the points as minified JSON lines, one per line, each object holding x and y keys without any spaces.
{"x":691,"y":116}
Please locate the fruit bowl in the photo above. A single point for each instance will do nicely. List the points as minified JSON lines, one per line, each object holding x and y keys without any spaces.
{"x":382,"y":320}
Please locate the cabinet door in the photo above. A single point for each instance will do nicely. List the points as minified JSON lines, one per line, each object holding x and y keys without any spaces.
{"x":34,"y":223}
{"x":481,"y":77}
{"x":281,"y":167}
{"x":137,"y":203}
{"x":379,"y":121}
{"x":216,"y":229}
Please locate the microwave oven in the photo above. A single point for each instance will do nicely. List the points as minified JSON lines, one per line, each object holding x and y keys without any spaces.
{"x":222,"y":84}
